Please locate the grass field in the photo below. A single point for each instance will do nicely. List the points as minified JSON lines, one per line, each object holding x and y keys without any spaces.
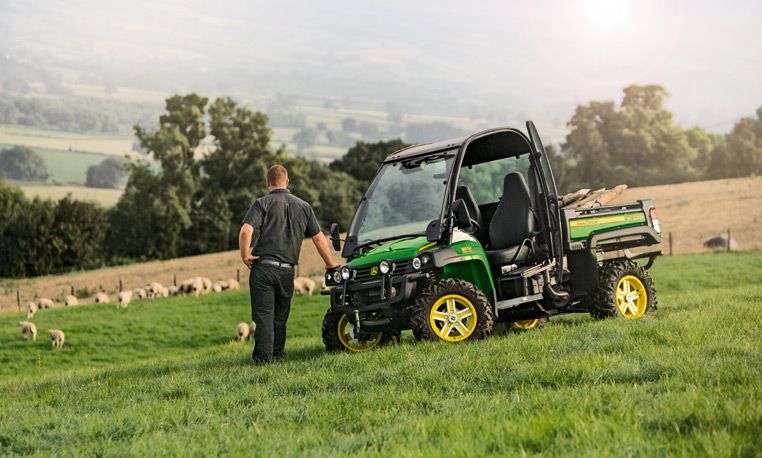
{"x":67,"y":167}
{"x":105,"y":197}
{"x":65,"y":141}
{"x":164,"y":378}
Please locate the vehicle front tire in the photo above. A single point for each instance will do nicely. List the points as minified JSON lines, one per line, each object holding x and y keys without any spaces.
{"x":452,"y":310}
{"x":338,"y":335}
{"x":624,"y":290}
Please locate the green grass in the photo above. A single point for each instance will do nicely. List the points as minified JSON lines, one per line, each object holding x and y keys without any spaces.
{"x":67,"y":167}
{"x":164,"y":378}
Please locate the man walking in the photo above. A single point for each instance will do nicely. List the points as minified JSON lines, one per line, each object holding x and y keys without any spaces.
{"x":280,"y":221}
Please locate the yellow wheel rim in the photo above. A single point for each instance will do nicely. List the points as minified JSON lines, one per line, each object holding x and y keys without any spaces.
{"x":346,"y":336}
{"x":631,"y":297}
{"x":453,"y":318}
{"x":526,"y":325}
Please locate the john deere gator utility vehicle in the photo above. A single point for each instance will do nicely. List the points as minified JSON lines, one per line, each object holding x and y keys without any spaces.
{"x":453,"y":236}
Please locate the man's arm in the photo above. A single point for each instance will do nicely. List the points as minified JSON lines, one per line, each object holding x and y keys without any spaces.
{"x":321,"y":243}
{"x":244,"y":244}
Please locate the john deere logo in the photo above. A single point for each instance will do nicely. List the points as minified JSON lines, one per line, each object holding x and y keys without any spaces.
{"x":373,"y":271}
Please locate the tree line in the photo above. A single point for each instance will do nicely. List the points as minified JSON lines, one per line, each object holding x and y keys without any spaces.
{"x":212,"y":157}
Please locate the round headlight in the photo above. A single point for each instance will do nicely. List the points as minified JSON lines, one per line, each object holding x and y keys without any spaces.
{"x":336,"y":276}
{"x":384,"y":267}
{"x":425,"y":259}
{"x":345,"y":273}
{"x":416,"y":263}
{"x":328,"y":277}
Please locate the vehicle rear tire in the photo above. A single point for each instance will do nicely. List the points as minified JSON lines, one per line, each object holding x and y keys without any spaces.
{"x":452,"y":310}
{"x":338,"y":335}
{"x":528,"y":325}
{"x":624,"y":290}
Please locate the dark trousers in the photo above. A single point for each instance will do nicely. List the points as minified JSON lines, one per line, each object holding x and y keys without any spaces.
{"x":270,"y":288}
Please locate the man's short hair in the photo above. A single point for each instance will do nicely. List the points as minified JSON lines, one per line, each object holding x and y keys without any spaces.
{"x":277,"y":175}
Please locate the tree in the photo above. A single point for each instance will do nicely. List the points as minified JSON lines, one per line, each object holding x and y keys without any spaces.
{"x":305,"y":139}
{"x":636,"y":143}
{"x":242,"y":154}
{"x":362,"y":160}
{"x":150,"y":217}
{"x":22,"y":163}
{"x":108,"y":174}
{"x":740,"y":152}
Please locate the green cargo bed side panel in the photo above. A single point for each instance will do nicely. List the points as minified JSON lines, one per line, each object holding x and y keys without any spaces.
{"x":582,"y":228}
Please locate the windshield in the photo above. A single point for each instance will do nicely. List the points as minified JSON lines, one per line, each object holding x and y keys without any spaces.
{"x":403,"y":198}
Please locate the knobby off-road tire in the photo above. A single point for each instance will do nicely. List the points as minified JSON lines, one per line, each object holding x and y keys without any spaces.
{"x":338,"y":335}
{"x":452,"y":310}
{"x":624,"y":290}
{"x":528,"y":325}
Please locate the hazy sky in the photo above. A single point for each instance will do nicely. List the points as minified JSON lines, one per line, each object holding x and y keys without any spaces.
{"x":539,"y":58}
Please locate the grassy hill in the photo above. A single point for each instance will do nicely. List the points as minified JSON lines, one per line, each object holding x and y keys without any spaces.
{"x":163,"y":378}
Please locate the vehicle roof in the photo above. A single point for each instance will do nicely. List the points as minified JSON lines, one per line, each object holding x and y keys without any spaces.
{"x":513,"y":139}
{"x":424,"y":148}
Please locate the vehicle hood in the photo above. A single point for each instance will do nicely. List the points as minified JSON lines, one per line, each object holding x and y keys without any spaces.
{"x":394,"y":250}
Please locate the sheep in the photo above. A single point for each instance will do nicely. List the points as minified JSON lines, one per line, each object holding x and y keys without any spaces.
{"x":164,"y":291}
{"x":71,"y":300}
{"x":197,"y":287}
{"x":124,"y":298}
{"x":207,"y":285}
{"x":720,"y":243}
{"x":303,"y":285}
{"x":252,"y":328}
{"x":154,"y":290}
{"x":31,"y":309}
{"x":44,"y":303}
{"x":243,"y":331}
{"x":28,"y":329}
{"x":173,"y":291}
{"x":216,"y":287}
{"x":101,"y":298}
{"x":233,"y":284}
{"x":139,"y":293}
{"x":56,"y":338}
{"x":186,"y":286}
{"x":223,"y":285}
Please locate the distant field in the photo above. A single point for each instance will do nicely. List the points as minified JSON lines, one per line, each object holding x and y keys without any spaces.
{"x":164,"y":378}
{"x":67,"y":167}
{"x":55,"y":140}
{"x":696,"y":211}
{"x":105,"y":197}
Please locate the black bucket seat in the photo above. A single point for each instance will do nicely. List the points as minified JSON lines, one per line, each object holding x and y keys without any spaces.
{"x":512,"y":226}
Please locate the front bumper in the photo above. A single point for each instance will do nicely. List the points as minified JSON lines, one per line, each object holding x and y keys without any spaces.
{"x":380,"y":303}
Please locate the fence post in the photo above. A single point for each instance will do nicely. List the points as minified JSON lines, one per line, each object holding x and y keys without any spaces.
{"x":174,"y":279}
{"x":238,"y":275}
{"x":72,"y":289}
{"x":728,"y":239}
{"x":670,"y":243}
{"x":120,"y":285}
{"x":18,"y":300}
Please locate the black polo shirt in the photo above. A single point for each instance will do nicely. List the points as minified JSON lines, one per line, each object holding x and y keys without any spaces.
{"x":281,"y":221}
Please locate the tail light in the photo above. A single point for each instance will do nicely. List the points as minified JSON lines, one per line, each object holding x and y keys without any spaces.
{"x":654,"y":220}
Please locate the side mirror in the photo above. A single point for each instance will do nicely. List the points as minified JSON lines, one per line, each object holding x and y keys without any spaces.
{"x":335,"y":240}
{"x":460,"y":213}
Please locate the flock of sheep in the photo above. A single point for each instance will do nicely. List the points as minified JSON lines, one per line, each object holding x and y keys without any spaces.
{"x":196,"y":286}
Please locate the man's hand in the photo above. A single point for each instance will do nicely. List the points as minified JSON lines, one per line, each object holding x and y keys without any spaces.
{"x":331,"y":266}
{"x":248,"y":259}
